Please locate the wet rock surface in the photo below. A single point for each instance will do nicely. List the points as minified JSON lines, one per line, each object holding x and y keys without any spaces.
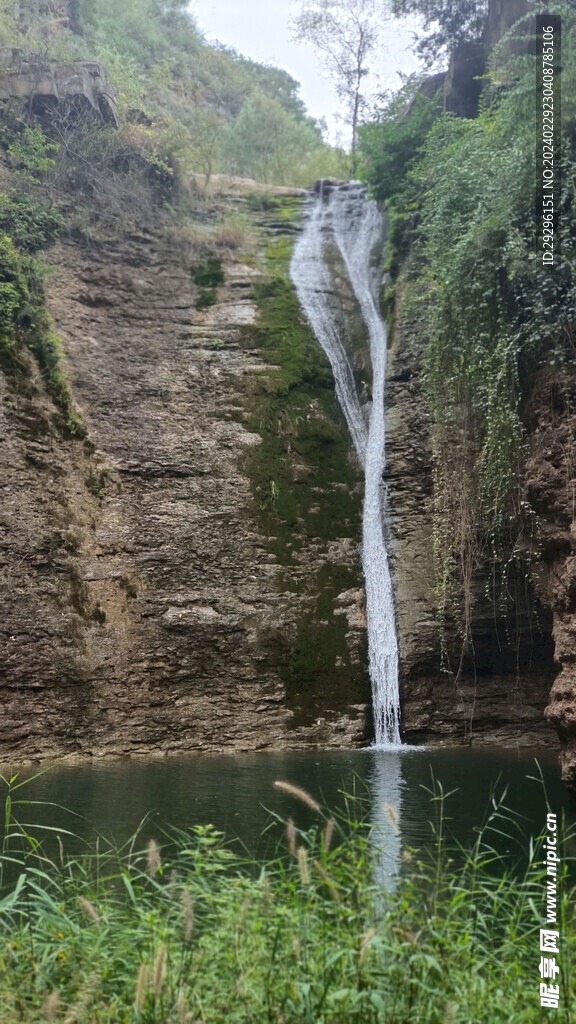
{"x":498,"y":694}
{"x":552,"y":493}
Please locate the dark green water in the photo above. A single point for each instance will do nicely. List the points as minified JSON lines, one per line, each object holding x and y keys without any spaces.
{"x":235,"y":793}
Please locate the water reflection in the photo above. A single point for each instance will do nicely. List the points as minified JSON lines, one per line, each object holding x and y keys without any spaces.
{"x":386,"y":789}
{"x":235,"y":793}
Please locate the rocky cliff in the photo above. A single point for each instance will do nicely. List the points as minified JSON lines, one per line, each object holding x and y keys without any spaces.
{"x":552,"y":492}
{"x":158,"y":595}
{"x":498,"y":692}
{"x":517,"y":677}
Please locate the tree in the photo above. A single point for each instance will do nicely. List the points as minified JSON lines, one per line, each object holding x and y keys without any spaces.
{"x":344,"y":32}
{"x":266,"y":143}
{"x":453,"y":22}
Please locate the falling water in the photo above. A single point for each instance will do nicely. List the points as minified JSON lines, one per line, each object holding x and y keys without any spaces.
{"x":346,"y":219}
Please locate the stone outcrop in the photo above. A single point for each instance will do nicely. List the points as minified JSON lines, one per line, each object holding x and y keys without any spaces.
{"x":144,"y":607}
{"x":502,"y":14}
{"x":459,"y":87}
{"x":31,"y":78}
{"x":498,"y":694}
{"x":552,"y":494}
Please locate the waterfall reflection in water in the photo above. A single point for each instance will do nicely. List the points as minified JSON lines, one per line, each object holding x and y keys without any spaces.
{"x":345,"y":218}
{"x":235,"y":793}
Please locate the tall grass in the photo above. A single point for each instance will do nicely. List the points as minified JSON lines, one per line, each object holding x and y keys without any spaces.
{"x":187,"y":930}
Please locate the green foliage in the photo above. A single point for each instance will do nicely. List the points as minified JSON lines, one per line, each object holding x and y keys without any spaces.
{"x":206,"y":298}
{"x":391,"y":146}
{"x":185,"y":107}
{"x":24,"y":322}
{"x":209,"y":274}
{"x":8,"y":20}
{"x":268,"y":144}
{"x":31,"y":225}
{"x":490,"y":314}
{"x":452,"y":22}
{"x":30,"y":150}
{"x":191,"y":92}
{"x":192,"y":930}
{"x":13,"y":289}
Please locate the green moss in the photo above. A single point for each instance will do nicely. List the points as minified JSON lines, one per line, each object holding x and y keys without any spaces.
{"x":262,"y":201}
{"x":97,"y":481}
{"x":301,"y":474}
{"x":305,"y":484}
{"x":317,"y":671}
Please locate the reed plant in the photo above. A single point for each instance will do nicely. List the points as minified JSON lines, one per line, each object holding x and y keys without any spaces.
{"x":184,"y":928}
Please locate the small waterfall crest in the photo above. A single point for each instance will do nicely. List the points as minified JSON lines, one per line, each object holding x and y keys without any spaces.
{"x":344,"y":218}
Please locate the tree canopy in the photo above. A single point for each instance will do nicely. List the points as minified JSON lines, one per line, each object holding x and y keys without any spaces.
{"x":451,"y":22}
{"x":345,"y":33}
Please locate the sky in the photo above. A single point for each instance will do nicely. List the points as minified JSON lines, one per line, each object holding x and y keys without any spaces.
{"x":259,"y":29}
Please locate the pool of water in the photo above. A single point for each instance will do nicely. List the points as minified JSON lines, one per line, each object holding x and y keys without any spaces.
{"x":398,"y":788}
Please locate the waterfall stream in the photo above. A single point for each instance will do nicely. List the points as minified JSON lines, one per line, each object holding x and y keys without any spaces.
{"x":345,"y":219}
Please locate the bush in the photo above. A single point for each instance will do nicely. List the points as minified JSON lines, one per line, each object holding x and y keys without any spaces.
{"x":13,"y":288}
{"x":30,"y":225}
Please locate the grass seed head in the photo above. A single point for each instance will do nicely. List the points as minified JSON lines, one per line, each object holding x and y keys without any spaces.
{"x":364,"y":945}
{"x":89,"y":909}
{"x":291,"y":836}
{"x":182,"y":1009}
{"x":298,"y":793}
{"x":159,"y":970}
{"x":50,"y":1011}
{"x":187,"y":915}
{"x":142,"y":983}
{"x":172,"y":883}
{"x":303,"y":866}
{"x":154,"y":860}
{"x":392,"y":815}
{"x":266,"y":894}
{"x":328,"y":834}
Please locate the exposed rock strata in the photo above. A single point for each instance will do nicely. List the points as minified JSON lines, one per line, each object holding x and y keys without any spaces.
{"x":144,"y":610}
{"x":552,"y":493}
{"x":30,"y":77}
{"x":500,"y":694}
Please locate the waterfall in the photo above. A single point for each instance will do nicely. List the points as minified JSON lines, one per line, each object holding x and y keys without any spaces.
{"x":344,"y":218}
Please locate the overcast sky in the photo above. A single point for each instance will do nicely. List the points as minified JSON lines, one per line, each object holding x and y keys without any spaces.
{"x":259,"y":29}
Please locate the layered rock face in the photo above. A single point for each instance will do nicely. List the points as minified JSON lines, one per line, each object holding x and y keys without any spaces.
{"x":498,"y":692}
{"x":145,"y":608}
{"x":44,"y":85}
{"x":552,"y":493}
